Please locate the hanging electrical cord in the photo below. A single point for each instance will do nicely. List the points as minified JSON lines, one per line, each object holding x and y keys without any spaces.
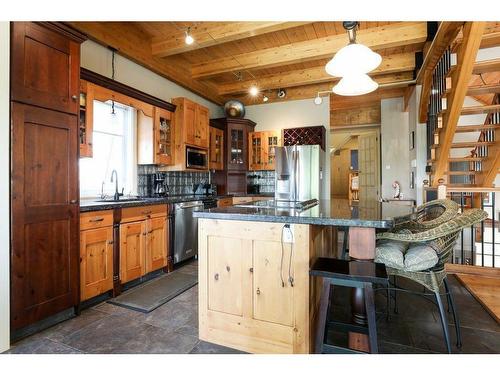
{"x":290,"y":277}
{"x":282,"y":255}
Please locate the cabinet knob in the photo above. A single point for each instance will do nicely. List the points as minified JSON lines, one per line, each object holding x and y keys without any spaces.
{"x":73,"y":201}
{"x":251,"y":269}
{"x":228,"y":268}
{"x":258,"y":291}
{"x":216,"y":277}
{"x":110,"y":242}
{"x":74,"y":97}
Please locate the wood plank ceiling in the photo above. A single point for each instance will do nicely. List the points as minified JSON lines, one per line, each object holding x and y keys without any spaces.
{"x":227,"y":58}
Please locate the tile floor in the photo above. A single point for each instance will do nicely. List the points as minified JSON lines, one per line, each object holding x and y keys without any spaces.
{"x":173,"y":327}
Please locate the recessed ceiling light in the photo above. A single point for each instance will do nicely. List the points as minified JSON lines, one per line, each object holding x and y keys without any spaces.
{"x":189,"y":39}
{"x":254,"y":90}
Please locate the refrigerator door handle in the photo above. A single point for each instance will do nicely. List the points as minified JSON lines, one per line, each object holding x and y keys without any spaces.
{"x":297,"y":176}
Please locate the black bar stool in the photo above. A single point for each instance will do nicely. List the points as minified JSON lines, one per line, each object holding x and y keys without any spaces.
{"x":353,"y":274}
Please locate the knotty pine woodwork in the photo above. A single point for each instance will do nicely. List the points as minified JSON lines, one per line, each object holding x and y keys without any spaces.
{"x":242,"y":302}
{"x":216,"y":149}
{"x":261,"y":149}
{"x":86,"y":119}
{"x":96,"y":219}
{"x":355,"y":116}
{"x":132,"y":250}
{"x":466,"y":57}
{"x":389,"y":36}
{"x":155,"y":138}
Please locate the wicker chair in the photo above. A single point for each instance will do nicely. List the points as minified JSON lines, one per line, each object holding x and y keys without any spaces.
{"x":442,"y":239}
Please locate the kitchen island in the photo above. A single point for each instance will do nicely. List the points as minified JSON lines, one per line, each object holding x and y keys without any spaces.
{"x":255,"y":293}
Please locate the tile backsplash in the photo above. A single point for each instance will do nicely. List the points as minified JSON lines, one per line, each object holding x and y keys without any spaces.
{"x":265,"y":180}
{"x":178,"y":183}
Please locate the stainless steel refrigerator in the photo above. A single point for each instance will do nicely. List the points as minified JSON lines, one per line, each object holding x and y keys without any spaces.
{"x":299,"y":173}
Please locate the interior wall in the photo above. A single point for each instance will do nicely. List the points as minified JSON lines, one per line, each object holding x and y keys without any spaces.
{"x":97,"y":58}
{"x":294,"y":114}
{"x":394,"y":131}
{"x":4,"y":188}
{"x":340,"y":166}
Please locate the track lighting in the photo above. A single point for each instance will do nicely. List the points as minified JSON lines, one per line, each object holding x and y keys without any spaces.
{"x":265,"y":98}
{"x":189,"y":39}
{"x":254,"y":90}
{"x":318,"y":100}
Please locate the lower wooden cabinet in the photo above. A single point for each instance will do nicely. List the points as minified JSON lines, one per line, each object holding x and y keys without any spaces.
{"x":96,"y":262}
{"x":143,"y":247}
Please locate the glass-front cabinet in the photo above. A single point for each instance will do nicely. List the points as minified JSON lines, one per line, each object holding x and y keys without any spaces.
{"x":237,"y":148}
{"x":216,"y":149}
{"x":163,"y":136}
{"x":85,"y":119}
{"x":262,"y":149}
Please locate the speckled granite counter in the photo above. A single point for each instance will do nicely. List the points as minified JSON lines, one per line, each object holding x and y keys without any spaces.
{"x":335,"y":212}
{"x":90,"y":205}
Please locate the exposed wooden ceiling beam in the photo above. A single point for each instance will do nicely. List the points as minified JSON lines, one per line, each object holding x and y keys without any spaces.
{"x":342,"y":102}
{"x":130,"y":43}
{"x":390,"y":64}
{"x":208,"y":34}
{"x":311,"y":91}
{"x":392,"y":35}
{"x":445,"y":35}
{"x":487,"y":41}
{"x":466,"y":57}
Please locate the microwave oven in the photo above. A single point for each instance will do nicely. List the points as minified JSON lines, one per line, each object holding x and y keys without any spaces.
{"x":196,"y":158}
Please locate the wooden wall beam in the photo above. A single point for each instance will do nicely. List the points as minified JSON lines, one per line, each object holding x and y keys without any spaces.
{"x":129,"y":42}
{"x":445,"y":35}
{"x":207,"y":34}
{"x":343,"y":102}
{"x":466,"y":57}
{"x":396,"y":63}
{"x":392,"y":35}
{"x":364,"y":115}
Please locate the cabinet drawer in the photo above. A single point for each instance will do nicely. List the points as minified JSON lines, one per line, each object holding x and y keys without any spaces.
{"x":143,"y":212}
{"x":96,"y":219}
{"x":224,"y":202}
{"x":240,"y":200}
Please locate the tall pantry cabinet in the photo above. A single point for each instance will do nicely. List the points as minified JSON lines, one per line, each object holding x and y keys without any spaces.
{"x":45,"y":65}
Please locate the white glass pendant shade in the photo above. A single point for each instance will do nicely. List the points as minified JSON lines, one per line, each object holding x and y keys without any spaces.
{"x":353,"y":59}
{"x":355,"y":84}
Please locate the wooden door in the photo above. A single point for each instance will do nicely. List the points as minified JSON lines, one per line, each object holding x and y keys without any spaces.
{"x":86,"y":119}
{"x":237,"y":149}
{"x":132,"y":250}
{"x":272,"y":140}
{"x":44,"y":199}
{"x":202,"y":121}
{"x":369,"y":166}
{"x":163,"y":137}
{"x":96,"y":262}
{"x":272,"y":292}
{"x":189,"y":122}
{"x":156,"y":243}
{"x":45,"y":68}
{"x":226,"y":273}
{"x":216,"y":147}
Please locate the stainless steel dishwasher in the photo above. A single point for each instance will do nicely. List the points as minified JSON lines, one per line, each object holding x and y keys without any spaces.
{"x":186,"y":230}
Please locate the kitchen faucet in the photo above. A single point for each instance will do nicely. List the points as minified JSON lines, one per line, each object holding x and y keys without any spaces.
{"x":117,"y":195}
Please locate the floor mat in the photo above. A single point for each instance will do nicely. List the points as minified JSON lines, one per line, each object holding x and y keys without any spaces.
{"x":153,"y":294}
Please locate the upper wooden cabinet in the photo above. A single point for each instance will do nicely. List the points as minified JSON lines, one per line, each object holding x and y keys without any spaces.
{"x":155,"y":137}
{"x":86,"y":118}
{"x":262,"y":149}
{"x":192,"y":121}
{"x":45,"y":66}
{"x":216,"y":149}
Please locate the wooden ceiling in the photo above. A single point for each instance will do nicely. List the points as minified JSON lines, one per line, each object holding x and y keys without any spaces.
{"x":227,"y":58}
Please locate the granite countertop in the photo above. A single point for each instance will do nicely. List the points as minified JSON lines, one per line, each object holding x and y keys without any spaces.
{"x":335,"y":212}
{"x":92,"y":205}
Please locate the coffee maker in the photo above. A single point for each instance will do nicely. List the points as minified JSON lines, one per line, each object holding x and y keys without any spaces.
{"x":159,"y":188}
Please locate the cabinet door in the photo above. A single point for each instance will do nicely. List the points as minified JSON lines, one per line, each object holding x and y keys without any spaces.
{"x":132,"y":250}
{"x":272,"y":293}
{"x":189,"y":122}
{"x":96,"y":262}
{"x":157,"y":243}
{"x":216,"y":147}
{"x":202,"y":121}
{"x":237,"y":147}
{"x":272,"y":140}
{"x":44,"y":202}
{"x":163,"y":137}
{"x":45,"y":68}
{"x":226,"y":273}
{"x":256,"y":150}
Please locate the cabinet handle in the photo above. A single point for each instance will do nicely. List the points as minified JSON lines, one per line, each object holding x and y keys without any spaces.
{"x":258,"y":291}
{"x":251,"y":269}
{"x":73,"y":97}
{"x":228,"y":268}
{"x":144,"y":234}
{"x":146,"y":212}
{"x":73,"y":201}
{"x":151,"y":231}
{"x":110,"y":242}
{"x":96,"y":220}
{"x":216,"y":277}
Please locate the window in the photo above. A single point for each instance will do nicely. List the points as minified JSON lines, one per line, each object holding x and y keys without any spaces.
{"x":114,"y":145}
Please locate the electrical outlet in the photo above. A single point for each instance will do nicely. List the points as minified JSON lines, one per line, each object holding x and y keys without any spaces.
{"x":288,"y":235}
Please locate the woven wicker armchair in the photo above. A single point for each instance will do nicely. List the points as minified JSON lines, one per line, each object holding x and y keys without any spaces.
{"x":442,"y":239}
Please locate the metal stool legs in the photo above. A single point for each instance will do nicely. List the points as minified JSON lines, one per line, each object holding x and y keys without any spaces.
{"x":370,"y":314}
{"x":451,"y":303}
{"x":444,"y":320}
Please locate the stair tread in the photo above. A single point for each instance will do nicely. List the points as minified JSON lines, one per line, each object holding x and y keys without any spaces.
{"x":461,"y":173}
{"x":474,"y":128}
{"x":480,"y":67}
{"x":492,"y":88}
{"x":466,"y":144}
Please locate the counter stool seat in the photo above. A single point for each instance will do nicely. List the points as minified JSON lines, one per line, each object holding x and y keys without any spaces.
{"x":353,"y":274}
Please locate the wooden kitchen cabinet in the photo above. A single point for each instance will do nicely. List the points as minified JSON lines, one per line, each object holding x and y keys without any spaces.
{"x":86,"y":118}
{"x":155,"y":139}
{"x":202,"y":115}
{"x":132,"y":250}
{"x":96,"y":262}
{"x":156,"y":243}
{"x":262,"y":149}
{"x":216,"y":149}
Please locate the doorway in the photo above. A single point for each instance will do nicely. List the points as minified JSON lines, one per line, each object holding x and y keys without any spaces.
{"x":355,"y":163}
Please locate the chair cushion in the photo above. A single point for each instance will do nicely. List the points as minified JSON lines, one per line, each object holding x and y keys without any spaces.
{"x":420,"y":257}
{"x":391,"y":253}
{"x":405,"y":256}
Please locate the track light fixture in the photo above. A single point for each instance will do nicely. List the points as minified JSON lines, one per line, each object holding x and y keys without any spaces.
{"x":189,"y":39}
{"x":253,"y":91}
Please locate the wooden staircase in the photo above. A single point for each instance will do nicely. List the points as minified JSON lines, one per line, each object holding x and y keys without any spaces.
{"x":461,"y":154}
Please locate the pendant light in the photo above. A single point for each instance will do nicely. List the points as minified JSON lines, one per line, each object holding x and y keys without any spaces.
{"x":352,"y":63}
